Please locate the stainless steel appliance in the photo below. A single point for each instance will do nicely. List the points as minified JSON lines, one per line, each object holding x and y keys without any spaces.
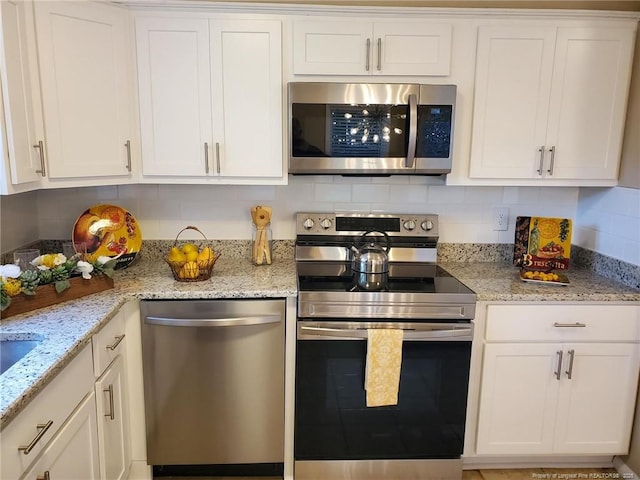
{"x":214,"y":386}
{"x":370,"y":129}
{"x":336,"y":435}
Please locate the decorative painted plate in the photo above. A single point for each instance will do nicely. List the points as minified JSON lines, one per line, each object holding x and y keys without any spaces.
{"x":108,"y":230}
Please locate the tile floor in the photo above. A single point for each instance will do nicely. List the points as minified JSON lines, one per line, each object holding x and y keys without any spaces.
{"x":514,"y":474}
{"x":541,"y":474}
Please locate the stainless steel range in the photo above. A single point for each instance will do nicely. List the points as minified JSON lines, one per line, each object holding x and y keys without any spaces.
{"x":363,"y":272}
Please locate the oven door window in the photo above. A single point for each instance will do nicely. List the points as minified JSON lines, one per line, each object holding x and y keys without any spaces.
{"x":332,"y":421}
{"x":349,"y":131}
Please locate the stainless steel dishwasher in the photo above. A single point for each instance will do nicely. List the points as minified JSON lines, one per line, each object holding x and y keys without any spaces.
{"x":214,"y":386}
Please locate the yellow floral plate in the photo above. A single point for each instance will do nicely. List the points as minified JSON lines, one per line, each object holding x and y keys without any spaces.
{"x":108,"y":230}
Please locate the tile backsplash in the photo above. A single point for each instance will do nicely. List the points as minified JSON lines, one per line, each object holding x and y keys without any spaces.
{"x":606,"y":220}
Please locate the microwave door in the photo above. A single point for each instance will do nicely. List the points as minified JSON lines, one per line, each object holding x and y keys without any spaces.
{"x":352,"y":139}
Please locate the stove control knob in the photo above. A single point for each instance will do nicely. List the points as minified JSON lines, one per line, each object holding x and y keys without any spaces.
{"x":325,"y":223}
{"x":427,"y":225}
{"x":308,"y":224}
{"x":409,"y":224}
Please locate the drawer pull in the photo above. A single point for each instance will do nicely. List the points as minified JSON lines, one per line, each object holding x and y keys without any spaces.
{"x":46,"y":476}
{"x":43,"y":427}
{"x":569,"y":325}
{"x":570,"y":371}
{"x":557,"y":373}
{"x":111,"y":413}
{"x":115,"y":344}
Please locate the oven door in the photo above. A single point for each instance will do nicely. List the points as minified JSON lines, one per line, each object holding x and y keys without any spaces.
{"x":332,"y":421}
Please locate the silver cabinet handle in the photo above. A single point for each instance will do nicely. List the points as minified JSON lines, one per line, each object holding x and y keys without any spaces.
{"x":111,"y":413}
{"x":127,"y":145}
{"x":541,"y":150}
{"x":43,"y":427}
{"x":367,"y":63}
{"x":379,"y":66}
{"x":115,"y":344}
{"x":570,"y":371}
{"x":206,"y":157}
{"x":46,"y":476}
{"x":214,"y":322}
{"x":40,"y":147}
{"x":569,"y":325}
{"x":553,"y":157}
{"x":413,"y":131}
{"x":559,"y":369}
{"x":217,"y":158}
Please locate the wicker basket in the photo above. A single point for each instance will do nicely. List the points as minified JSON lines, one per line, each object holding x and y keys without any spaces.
{"x":184,"y":271}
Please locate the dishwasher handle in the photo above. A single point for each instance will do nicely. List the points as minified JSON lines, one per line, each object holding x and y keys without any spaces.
{"x":214,"y":322}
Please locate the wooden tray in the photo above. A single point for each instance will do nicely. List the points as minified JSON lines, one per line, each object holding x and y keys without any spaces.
{"x":46,"y":295}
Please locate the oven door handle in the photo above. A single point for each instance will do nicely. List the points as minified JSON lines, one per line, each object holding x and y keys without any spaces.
{"x":307,"y":332}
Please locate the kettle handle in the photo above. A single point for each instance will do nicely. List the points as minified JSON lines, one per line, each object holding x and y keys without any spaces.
{"x":386,"y":248}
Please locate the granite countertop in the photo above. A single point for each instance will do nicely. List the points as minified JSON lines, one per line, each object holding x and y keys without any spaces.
{"x":64,"y":329}
{"x":500,"y":282}
{"x":67,"y":327}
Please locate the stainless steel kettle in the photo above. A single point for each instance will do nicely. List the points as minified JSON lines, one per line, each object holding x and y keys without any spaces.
{"x":370,"y":262}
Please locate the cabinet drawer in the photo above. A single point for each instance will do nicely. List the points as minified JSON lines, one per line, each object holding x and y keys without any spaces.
{"x":53,"y":404}
{"x":107,"y":344}
{"x":602,"y":323}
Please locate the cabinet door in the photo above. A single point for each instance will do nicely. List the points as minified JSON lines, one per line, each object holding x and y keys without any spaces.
{"x":83,"y":57}
{"x":334,"y":47}
{"x":597,"y":398}
{"x":174,"y":92}
{"x":411,"y":49}
{"x":518,"y":399}
{"x":72,"y":453}
{"x":247,"y":98}
{"x":588,"y":102}
{"x":112,"y":422}
{"x":513,"y":82}
{"x":15,"y":74}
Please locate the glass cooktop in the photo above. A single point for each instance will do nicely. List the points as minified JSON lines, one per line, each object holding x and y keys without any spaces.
{"x":409,"y":278}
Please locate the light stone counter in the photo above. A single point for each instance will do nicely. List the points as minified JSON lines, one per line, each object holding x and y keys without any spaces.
{"x":67,"y":327}
{"x":498,"y":281}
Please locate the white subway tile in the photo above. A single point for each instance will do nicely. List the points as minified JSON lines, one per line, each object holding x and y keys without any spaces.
{"x":370,"y":193}
{"x":445,"y":194}
{"x":327,"y":192}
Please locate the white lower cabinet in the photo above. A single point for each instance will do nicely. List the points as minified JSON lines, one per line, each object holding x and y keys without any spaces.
{"x":73,"y":453}
{"x":112,"y":422}
{"x":552,"y":384}
{"x":57,"y":430}
{"x":109,"y":360}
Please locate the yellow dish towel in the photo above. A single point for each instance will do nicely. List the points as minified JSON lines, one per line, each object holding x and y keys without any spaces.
{"x":382,"y":373}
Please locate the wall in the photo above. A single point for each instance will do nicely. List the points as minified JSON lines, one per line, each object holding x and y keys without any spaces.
{"x":222,"y":212}
{"x":608,"y":222}
{"x":19,"y":222}
{"x":630,"y":157}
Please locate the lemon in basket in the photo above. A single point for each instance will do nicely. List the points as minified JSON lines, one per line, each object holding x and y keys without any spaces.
{"x":176,"y":256}
{"x":205,"y":257}
{"x":189,"y":270}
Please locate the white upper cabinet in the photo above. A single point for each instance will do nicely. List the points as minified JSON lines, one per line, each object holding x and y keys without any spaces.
{"x":346,"y":47}
{"x":174,"y":95}
{"x":83,"y":55}
{"x":246,"y":76}
{"x":210,"y":94}
{"x":22,"y":163}
{"x":550,"y":102}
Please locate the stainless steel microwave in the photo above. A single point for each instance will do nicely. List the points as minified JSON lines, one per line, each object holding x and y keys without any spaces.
{"x":370,"y":129}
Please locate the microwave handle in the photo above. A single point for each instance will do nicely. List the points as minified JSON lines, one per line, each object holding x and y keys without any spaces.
{"x":413,"y":130}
